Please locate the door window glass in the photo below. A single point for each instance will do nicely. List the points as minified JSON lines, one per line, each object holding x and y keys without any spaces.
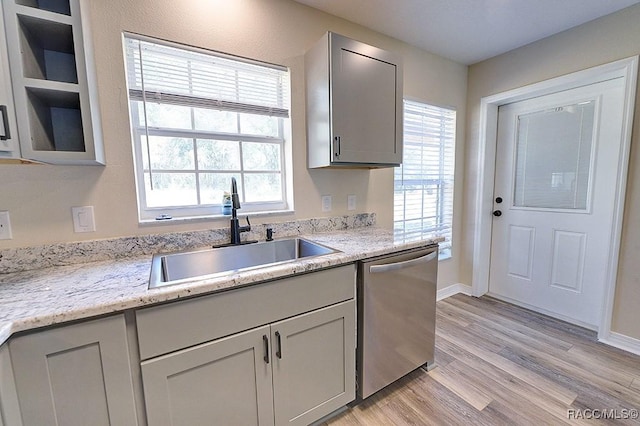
{"x":553,"y":157}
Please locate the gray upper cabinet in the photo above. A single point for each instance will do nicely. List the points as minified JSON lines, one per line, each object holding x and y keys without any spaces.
{"x":8,"y":129}
{"x":53,"y":78}
{"x":78,"y":374}
{"x":354,"y":104}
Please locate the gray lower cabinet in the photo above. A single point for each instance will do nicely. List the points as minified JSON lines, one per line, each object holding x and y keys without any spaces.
{"x":290,"y":372}
{"x":225,"y":380}
{"x":313,"y":364}
{"x":77,"y":374}
{"x":9,"y":407}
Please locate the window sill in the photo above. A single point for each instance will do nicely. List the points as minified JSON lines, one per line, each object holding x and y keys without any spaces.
{"x":209,"y":218}
{"x":444,"y":254}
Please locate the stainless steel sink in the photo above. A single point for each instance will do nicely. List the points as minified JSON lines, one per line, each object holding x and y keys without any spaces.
{"x":172,"y":268}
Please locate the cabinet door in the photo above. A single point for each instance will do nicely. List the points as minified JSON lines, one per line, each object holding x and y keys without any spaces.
{"x":8,"y":130}
{"x":313,"y":364}
{"x":9,"y":407}
{"x":227,"y":381}
{"x":366,"y":91}
{"x":75,"y":375}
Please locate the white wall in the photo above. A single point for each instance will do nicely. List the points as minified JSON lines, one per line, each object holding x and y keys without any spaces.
{"x":601,"y":41}
{"x":39,"y":198}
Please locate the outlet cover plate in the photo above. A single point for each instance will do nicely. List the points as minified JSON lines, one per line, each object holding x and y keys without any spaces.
{"x":5,"y":226}
{"x":326,"y":203}
{"x":83,"y":220}
{"x":351,"y":202}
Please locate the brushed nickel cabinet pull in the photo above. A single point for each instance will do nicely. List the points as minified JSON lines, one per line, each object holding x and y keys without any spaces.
{"x":5,"y":123}
{"x":265,"y":339}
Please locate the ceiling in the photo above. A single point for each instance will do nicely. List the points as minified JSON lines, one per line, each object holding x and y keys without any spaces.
{"x":469,"y":31}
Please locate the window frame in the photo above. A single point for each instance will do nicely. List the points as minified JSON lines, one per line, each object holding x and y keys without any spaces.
{"x":140,"y":132}
{"x":445,"y":183}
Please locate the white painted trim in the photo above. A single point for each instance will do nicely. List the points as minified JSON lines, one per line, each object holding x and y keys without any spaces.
{"x":621,"y":341}
{"x":626,"y":68}
{"x":452,"y":290}
{"x":608,"y":298}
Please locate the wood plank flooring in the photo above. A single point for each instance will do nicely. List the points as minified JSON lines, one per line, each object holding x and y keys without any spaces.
{"x":498,"y":364}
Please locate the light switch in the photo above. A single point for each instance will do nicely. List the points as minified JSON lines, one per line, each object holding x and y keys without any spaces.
{"x":5,"y":226}
{"x":351,"y":202}
{"x":326,"y":203}
{"x":83,"y":220}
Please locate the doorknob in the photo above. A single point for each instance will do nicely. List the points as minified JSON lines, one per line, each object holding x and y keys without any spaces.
{"x":497,"y":213}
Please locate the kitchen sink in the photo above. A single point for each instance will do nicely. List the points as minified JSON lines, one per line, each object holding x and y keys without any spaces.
{"x":173,"y":268}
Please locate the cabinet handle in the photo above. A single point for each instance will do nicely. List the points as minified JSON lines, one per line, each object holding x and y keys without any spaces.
{"x":265,"y":339}
{"x":336,"y":146}
{"x":387,"y":267}
{"x":5,"y":123}
{"x":279,"y":351}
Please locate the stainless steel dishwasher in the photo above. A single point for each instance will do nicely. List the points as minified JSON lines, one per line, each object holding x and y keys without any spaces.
{"x":396,"y":316}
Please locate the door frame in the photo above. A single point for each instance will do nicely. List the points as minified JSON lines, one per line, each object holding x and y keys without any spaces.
{"x":626,"y":68}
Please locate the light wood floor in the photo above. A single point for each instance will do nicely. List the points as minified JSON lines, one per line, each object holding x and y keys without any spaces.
{"x":500,"y":364}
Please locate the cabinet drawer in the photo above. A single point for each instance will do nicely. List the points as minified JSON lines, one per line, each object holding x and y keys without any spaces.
{"x":166,"y":328}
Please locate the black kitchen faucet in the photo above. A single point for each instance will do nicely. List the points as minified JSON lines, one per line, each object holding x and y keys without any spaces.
{"x":236,"y":229}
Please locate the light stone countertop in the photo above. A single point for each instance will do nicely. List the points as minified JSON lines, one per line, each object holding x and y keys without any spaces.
{"x":43,"y":297}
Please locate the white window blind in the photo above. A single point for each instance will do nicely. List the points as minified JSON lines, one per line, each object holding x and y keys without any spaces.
{"x":199,"y":118}
{"x":423,"y":193}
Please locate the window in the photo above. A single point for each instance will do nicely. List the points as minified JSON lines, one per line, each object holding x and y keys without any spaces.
{"x":423,"y":185}
{"x":200,"y":118}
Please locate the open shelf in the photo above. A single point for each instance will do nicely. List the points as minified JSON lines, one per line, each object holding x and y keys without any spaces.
{"x":57,"y":6}
{"x":55,"y":120}
{"x":47,"y":49}
{"x":55,"y":96}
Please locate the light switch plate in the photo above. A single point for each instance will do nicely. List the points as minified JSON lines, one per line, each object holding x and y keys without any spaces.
{"x":326,"y":203}
{"x":351,"y":202}
{"x":83,"y":220}
{"x":5,"y":226}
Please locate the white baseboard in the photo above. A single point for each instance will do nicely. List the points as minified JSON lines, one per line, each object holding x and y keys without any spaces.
{"x":623,"y":342}
{"x":452,"y":290}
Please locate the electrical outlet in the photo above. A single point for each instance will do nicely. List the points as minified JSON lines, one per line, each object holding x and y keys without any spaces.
{"x":351,"y":202}
{"x":5,"y":226}
{"x":326,"y":203}
{"x":83,"y":220}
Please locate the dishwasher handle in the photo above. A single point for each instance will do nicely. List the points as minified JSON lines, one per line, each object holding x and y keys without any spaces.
{"x":374,"y":269}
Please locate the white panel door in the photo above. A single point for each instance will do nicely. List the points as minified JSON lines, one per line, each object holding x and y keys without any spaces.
{"x":556,"y":165}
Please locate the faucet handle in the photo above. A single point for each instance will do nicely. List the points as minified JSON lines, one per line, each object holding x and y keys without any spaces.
{"x":246,"y":228}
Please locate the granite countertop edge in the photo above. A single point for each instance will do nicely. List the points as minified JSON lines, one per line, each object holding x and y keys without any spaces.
{"x":45,"y":297}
